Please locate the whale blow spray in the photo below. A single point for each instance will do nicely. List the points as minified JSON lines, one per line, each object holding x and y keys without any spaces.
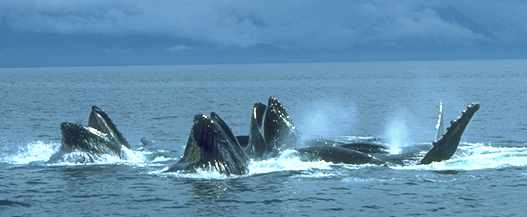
{"x":325,"y":119}
{"x":396,"y":134}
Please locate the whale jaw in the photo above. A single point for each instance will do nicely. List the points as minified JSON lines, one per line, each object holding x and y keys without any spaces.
{"x":279,"y":129}
{"x":76,"y":137}
{"x":100,"y":137}
{"x":99,"y":120}
{"x":211,"y":144}
{"x":271,"y":130}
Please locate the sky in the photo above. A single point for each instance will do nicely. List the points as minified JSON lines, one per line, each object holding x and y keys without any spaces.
{"x":130,"y":32}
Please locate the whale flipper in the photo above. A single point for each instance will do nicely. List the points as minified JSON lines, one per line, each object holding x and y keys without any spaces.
{"x":440,"y":126}
{"x":447,"y":145}
{"x":101,"y":121}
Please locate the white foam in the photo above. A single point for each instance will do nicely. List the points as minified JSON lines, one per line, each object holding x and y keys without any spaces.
{"x":77,"y":158}
{"x":286,"y":161}
{"x":40,"y":151}
{"x":317,"y":174}
{"x":478,"y":156}
{"x":289,"y":160}
{"x":32,"y":152}
{"x":129,"y":157}
{"x":475,"y":156}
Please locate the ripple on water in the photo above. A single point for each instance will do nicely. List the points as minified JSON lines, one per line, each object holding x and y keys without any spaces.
{"x":10,"y":203}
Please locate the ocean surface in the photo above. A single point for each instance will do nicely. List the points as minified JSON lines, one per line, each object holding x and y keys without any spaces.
{"x":396,"y":102}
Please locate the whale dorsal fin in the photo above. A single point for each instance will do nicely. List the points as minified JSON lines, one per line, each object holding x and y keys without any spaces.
{"x":440,"y":126}
{"x":447,"y":145}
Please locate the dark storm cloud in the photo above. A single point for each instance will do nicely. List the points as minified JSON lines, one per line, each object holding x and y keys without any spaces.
{"x":294,"y":25}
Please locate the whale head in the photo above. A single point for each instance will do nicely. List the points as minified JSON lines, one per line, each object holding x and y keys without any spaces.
{"x":271,"y":129}
{"x":256,"y":144}
{"x":99,"y":120}
{"x":76,"y":137}
{"x":211,"y":144}
{"x":278,"y":127}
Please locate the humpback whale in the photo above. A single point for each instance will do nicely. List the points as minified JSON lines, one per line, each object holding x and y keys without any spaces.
{"x":442,"y":149}
{"x":211,"y":144}
{"x":101,"y":136}
{"x":284,"y":132}
{"x":271,"y":130}
{"x":99,"y":120}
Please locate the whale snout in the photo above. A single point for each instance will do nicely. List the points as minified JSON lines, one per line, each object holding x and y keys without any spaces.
{"x":65,"y":126}
{"x":71,"y":133}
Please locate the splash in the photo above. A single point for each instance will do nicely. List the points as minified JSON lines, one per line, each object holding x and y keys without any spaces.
{"x":140,"y":158}
{"x":478,"y":156}
{"x":41,"y":151}
{"x":289,"y":160}
{"x":32,"y":152}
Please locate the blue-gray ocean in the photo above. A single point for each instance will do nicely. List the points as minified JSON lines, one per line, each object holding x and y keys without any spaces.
{"x":394,"y":101}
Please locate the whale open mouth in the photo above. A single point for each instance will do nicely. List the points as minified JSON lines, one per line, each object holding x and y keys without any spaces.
{"x":101,"y":121}
{"x":72,"y":135}
{"x":278,"y":128}
{"x":212,"y":144}
{"x":76,"y":137}
{"x":256,"y":145}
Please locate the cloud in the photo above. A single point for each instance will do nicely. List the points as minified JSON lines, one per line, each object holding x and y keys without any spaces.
{"x":179,"y":48}
{"x":217,"y":31}
{"x":293,"y":24}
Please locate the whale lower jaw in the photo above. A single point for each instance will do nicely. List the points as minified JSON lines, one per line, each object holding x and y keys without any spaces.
{"x":211,"y":145}
{"x":100,"y":121}
{"x":271,"y":130}
{"x":81,"y":144}
{"x":100,"y":137}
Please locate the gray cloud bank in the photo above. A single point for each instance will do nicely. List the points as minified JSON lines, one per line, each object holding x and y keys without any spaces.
{"x":88,"y":32}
